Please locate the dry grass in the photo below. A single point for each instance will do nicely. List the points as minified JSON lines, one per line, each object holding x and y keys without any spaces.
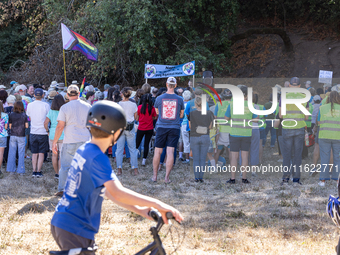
{"x":260,"y":218}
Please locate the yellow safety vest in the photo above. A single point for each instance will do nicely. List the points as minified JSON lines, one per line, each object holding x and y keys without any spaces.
{"x":329,"y":122}
{"x":292,"y":112}
{"x":224,"y":127}
{"x":239,"y":125}
{"x":309,"y":121}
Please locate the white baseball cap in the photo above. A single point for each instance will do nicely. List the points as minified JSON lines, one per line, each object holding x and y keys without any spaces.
{"x":171,"y":80}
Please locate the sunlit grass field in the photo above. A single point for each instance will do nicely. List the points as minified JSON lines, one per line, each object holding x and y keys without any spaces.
{"x":258,"y":218}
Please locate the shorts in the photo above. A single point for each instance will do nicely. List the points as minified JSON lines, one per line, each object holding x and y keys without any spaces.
{"x":3,"y":142}
{"x":262,"y":134}
{"x":59,"y":144}
{"x":39,"y":143}
{"x":223,"y":139}
{"x":67,"y":240}
{"x":166,"y":137}
{"x":240,"y":143}
{"x":28,"y":130}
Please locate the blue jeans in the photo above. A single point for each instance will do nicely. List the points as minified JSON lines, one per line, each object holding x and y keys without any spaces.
{"x":269,"y":127}
{"x":14,"y":143}
{"x":68,"y":150}
{"x":325,"y":153}
{"x":293,"y":139}
{"x":129,"y":137}
{"x":114,"y":149}
{"x":199,"y":146}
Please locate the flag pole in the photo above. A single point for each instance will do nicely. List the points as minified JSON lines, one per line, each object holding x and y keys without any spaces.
{"x":146,"y":80}
{"x":64,"y":67}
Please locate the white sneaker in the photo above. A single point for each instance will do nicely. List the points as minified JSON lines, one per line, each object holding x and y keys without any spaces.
{"x":143,"y":162}
{"x":321,"y":184}
{"x":280,"y":160}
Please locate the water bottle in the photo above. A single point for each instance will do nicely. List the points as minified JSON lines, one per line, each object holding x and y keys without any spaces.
{"x":306,"y":138}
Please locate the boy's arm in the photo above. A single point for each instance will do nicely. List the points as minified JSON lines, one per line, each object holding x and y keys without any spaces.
{"x":134,"y":201}
{"x":142,"y":211}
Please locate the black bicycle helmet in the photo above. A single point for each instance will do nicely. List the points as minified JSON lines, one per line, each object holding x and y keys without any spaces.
{"x":106,"y":116}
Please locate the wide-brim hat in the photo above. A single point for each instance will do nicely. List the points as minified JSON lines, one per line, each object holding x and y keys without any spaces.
{"x":52,"y":94}
{"x":74,"y":83}
{"x":54,"y":84}
{"x":61,"y":86}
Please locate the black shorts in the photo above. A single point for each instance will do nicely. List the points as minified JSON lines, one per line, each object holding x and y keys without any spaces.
{"x":167,"y":137}
{"x":67,"y":240}
{"x":239,"y":143}
{"x":39,"y":143}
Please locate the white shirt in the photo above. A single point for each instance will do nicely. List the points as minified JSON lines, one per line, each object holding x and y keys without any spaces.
{"x":129,"y":108}
{"x":37,"y":112}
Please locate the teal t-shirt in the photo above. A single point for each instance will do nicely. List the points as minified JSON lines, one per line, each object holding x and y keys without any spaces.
{"x":53,"y":115}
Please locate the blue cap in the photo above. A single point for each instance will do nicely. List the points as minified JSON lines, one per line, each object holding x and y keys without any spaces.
{"x":295,"y":81}
{"x":38,"y":92}
{"x":12,"y":82}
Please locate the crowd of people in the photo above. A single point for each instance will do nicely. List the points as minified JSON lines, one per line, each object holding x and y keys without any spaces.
{"x":51,"y":123}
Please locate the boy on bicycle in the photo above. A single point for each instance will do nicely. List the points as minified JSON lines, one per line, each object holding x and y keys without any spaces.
{"x":77,"y":216}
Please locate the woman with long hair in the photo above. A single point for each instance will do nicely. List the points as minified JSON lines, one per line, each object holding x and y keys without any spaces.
{"x":329,"y":137}
{"x":110,"y":94}
{"x":199,"y":138}
{"x":18,"y":122}
{"x":145,"y":114}
{"x":128,"y":134}
{"x":51,"y":117}
{"x":3,"y":97}
{"x":139,"y":94}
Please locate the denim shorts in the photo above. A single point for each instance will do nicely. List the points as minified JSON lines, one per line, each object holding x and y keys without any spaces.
{"x":3,"y":142}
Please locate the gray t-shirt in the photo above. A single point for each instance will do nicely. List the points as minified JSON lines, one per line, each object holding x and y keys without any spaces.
{"x":74,"y":114}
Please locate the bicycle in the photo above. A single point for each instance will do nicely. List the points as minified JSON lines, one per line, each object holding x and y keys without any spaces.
{"x":155,"y":248}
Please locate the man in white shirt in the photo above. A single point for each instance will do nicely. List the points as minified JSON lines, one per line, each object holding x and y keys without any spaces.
{"x":37,"y":112}
{"x":72,"y":120}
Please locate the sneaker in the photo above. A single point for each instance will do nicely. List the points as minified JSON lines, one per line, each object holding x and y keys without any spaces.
{"x":201,"y":180}
{"x":39,"y":175}
{"x":284,"y":182}
{"x":197,"y":180}
{"x":181,"y":159}
{"x":245,"y":181}
{"x":313,"y":172}
{"x":186,"y":162}
{"x":297,"y":182}
{"x":321,"y":184}
{"x":34,"y":174}
{"x":280,"y":160}
{"x":59,"y":194}
{"x":56,"y":176}
{"x":27,"y":156}
{"x":231,"y":181}
{"x":143,"y":162}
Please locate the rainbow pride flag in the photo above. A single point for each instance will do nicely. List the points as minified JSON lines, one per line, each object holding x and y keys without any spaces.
{"x":74,"y":41}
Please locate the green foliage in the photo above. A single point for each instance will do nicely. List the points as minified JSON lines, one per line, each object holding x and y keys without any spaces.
{"x":129,"y":33}
{"x":13,"y":42}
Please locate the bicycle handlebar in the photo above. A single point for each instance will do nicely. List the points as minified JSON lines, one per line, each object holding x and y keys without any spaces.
{"x":156,"y":215}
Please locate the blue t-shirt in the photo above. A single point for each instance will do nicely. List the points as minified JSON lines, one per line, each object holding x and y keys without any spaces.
{"x":190,"y":107}
{"x":79,"y":209}
{"x":228,"y":114}
{"x":53,"y":115}
{"x":169,"y":108}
